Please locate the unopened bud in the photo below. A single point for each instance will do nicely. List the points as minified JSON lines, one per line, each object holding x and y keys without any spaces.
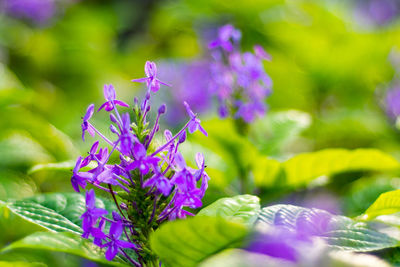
{"x":182,"y":137}
{"x":162,"y":109}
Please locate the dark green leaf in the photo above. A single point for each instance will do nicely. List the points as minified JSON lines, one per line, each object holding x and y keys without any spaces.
{"x":57,"y":212}
{"x":61,"y":242}
{"x":188,"y":242}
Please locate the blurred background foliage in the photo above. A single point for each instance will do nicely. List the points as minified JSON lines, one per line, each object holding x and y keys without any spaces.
{"x":330,"y":73}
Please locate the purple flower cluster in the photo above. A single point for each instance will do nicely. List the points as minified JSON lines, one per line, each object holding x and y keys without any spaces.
{"x":154,"y":182}
{"x":38,"y":11}
{"x":238,"y":79}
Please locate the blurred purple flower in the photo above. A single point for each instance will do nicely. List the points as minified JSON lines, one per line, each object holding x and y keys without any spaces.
{"x":227,"y":37}
{"x":379,"y":12}
{"x":392,"y":101}
{"x":38,"y":11}
{"x":238,"y":79}
{"x":191,"y":81}
{"x":279,"y":242}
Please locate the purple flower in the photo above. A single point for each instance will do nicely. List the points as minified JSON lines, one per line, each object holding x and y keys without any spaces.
{"x":92,"y":154}
{"x":92,"y":213}
{"x":226,"y":35}
{"x":85,"y":124}
{"x":142,"y":162}
{"x":261,"y":53}
{"x":279,"y":242}
{"x":109,"y":94}
{"x":79,"y":178}
{"x":238,"y":79}
{"x":191,"y":82}
{"x":38,"y":11}
{"x":156,"y":183}
{"x":188,"y":194}
{"x":151,"y":80}
{"x":194,"y":123}
{"x":393,"y":102}
{"x":378,"y":12}
{"x":97,"y":233}
{"x":126,"y":138}
{"x":162,"y":183}
{"x":115,"y":244}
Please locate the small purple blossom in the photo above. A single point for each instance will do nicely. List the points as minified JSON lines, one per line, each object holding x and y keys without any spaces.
{"x":89,"y":218}
{"x":115,"y":244}
{"x":160,"y":182}
{"x":194,"y":123}
{"x":78,"y":178}
{"x":153,"y":83}
{"x":227,"y":36}
{"x":109,"y":94}
{"x":142,"y":162}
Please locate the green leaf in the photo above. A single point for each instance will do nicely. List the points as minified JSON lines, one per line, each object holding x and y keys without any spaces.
{"x":338,"y":231}
{"x":387,"y":203}
{"x":21,"y":264}
{"x":188,"y":242}
{"x":365,"y":191}
{"x":273,"y":133}
{"x":304,"y":168}
{"x":58,"y":166}
{"x":51,"y":141}
{"x":57,"y":212}
{"x":241,"y":209}
{"x":61,"y":242}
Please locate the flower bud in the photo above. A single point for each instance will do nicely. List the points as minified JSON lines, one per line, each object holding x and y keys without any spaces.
{"x":114,"y":129}
{"x":113,"y":118}
{"x":162,"y":109}
{"x":182,"y":137}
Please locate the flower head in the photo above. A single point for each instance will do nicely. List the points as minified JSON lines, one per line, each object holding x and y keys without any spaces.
{"x":153,"y":83}
{"x":89,"y":218}
{"x":109,"y":95}
{"x":194,"y":123}
{"x":115,"y":244}
{"x":78,"y":178}
{"x":153,"y":182}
